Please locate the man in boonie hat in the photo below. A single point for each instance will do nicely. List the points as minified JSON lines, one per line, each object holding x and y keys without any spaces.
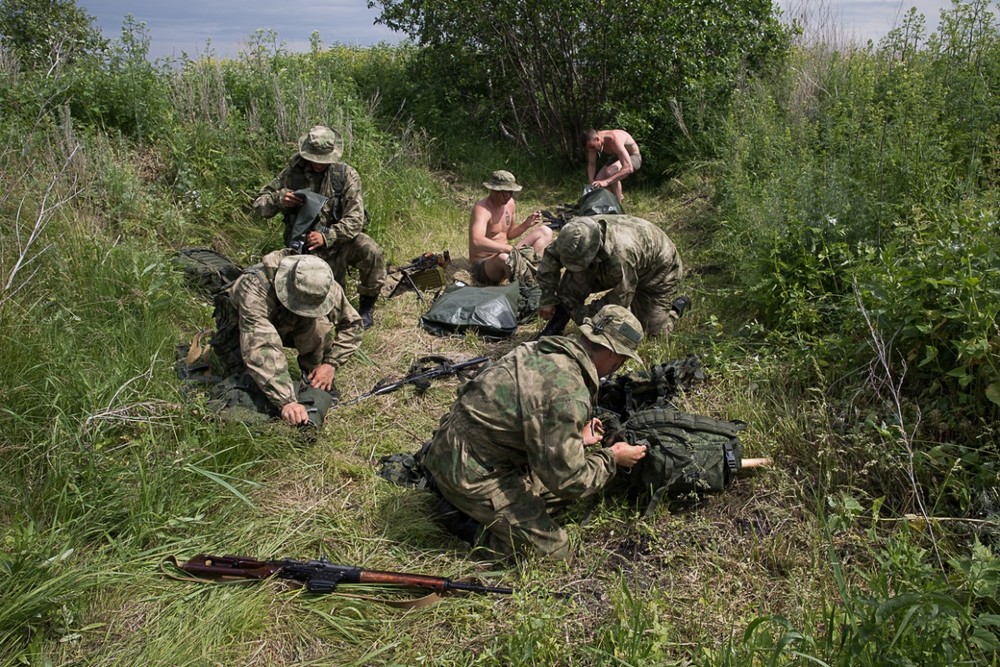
{"x":288,"y":300}
{"x":631,"y":257}
{"x":323,"y":209}
{"x":493,"y":235}
{"x":520,"y":439}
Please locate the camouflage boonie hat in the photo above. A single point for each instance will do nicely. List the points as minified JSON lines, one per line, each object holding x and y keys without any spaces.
{"x":616,"y":328}
{"x":305,"y":285}
{"x":578,"y":243}
{"x":321,"y":145}
{"x":502,"y":180}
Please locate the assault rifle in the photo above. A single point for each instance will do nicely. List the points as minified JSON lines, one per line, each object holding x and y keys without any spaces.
{"x":420,"y":375}
{"x":322,"y":576}
{"x":425,"y":262}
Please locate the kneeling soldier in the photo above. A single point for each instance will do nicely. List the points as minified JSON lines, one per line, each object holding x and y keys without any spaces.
{"x":287,"y":300}
{"x":520,"y":437}
{"x":629,"y":256}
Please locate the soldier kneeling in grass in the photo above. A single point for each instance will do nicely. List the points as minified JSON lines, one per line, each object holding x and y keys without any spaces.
{"x":287,"y":300}
{"x":520,"y":439}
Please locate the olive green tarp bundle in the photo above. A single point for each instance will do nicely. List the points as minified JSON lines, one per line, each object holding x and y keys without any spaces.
{"x":490,"y":312}
{"x":599,"y":201}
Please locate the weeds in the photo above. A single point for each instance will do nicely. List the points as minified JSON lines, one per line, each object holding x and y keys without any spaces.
{"x":855,"y":206}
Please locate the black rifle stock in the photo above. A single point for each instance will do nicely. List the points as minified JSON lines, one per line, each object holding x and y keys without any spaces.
{"x":426,"y":261}
{"x":322,"y":576}
{"x":422,"y":377}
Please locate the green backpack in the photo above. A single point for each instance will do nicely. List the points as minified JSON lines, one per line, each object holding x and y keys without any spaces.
{"x":685,"y":454}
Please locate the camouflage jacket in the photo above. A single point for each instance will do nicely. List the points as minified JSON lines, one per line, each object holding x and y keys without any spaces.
{"x":265,"y":324}
{"x":344,"y":212}
{"x":635,"y":254}
{"x":524,"y":412}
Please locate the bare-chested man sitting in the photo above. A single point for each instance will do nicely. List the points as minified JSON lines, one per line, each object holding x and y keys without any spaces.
{"x":492,"y":231}
{"x":625,"y":153}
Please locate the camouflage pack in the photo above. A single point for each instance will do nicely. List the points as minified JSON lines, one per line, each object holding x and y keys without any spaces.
{"x":685,"y":454}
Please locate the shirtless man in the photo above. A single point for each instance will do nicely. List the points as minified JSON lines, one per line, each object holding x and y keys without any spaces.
{"x":622,"y":146}
{"x":492,"y":231}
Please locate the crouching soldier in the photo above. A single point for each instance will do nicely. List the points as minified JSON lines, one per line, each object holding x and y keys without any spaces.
{"x":315,"y":180}
{"x":287,"y":300}
{"x":629,"y":256}
{"x":520,"y":438}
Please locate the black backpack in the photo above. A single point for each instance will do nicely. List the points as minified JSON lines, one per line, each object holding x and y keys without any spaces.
{"x":206,"y":270}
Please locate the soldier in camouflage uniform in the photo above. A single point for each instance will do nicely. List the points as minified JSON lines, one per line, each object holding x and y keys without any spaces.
{"x":630,"y":256}
{"x":520,"y":437}
{"x":288,"y":300}
{"x":340,"y":239}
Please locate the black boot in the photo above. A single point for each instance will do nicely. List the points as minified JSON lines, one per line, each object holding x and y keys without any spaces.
{"x":681,"y":305}
{"x":455,"y":521}
{"x":366,"y":306}
{"x":556,"y":323}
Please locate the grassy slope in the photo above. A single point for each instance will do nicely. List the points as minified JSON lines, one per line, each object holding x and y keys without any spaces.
{"x":668,"y":588}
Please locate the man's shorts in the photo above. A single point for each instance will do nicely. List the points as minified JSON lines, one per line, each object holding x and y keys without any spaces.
{"x":478,"y":272}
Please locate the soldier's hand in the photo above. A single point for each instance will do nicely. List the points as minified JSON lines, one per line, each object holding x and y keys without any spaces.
{"x":627,"y":455}
{"x":546,"y":312}
{"x":294,"y":414}
{"x":593,"y":432}
{"x":321,"y":377}
{"x":291,"y":200}
{"x":315,"y":240}
{"x":535,"y":218}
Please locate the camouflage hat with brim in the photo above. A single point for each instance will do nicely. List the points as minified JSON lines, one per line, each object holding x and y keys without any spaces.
{"x":305,"y":285}
{"x":578,"y":243}
{"x":616,"y":328}
{"x":502,"y":180}
{"x":321,"y":145}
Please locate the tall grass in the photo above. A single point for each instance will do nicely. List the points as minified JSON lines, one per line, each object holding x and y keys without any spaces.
{"x":843,"y":196}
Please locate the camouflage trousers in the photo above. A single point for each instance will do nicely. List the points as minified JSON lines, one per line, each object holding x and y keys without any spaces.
{"x":363,"y":253}
{"x":514,"y":511}
{"x":651,"y":303}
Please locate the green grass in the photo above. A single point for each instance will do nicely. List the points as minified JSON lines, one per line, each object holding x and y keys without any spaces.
{"x":108,"y":464}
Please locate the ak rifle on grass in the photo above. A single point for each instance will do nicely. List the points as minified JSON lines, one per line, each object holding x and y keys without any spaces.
{"x":322,"y":576}
{"x":421,"y":374}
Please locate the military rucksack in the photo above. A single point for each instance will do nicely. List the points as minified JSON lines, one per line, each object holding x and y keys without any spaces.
{"x":206,"y":270}
{"x":685,"y":453}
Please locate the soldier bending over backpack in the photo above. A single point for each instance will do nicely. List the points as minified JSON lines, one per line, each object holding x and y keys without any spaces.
{"x":520,"y":436}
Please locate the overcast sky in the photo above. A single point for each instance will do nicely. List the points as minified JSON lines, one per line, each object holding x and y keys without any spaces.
{"x":177,"y":26}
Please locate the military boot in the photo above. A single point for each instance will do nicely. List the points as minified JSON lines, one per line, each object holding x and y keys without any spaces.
{"x":366,"y":307}
{"x":556,"y":323}
{"x":681,"y":305}
{"x":455,"y":521}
